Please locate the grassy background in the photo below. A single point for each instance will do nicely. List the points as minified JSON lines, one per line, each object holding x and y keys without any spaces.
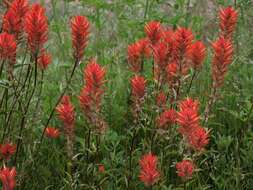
{"x":227,"y":163}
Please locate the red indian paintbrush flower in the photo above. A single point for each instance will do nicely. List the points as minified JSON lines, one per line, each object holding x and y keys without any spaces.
{"x":94,"y":76}
{"x":44,"y":60}
{"x":138,"y":84}
{"x":189,"y":103}
{"x":228,"y":20}
{"x":185,"y":169}
{"x":7,"y":177}
{"x":36,"y":28}
{"x":136,"y":53}
{"x":80,"y":31}
{"x":8,"y":47}
{"x":13,"y":21}
{"x":188,"y":117}
{"x":153,"y":30}
{"x":183,"y":40}
{"x":149,"y":173}
{"x":223,"y":54}
{"x":91,"y":94}
{"x":197,"y":54}
{"x":172,"y":71}
{"x":52,"y":132}
{"x":7,"y":150}
{"x":167,"y":118}
{"x":161,"y":100}
{"x":66,"y":114}
{"x":199,"y":138}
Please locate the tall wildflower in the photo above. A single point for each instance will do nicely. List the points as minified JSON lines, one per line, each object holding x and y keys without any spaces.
{"x":153,"y":30}
{"x":136,"y":53}
{"x":223,"y":54}
{"x":80,"y":31}
{"x":228,"y":19}
{"x":8,"y":49}
{"x":13,"y":21}
{"x":52,"y":132}
{"x":188,"y":117}
{"x":167,"y":118}
{"x":7,"y":150}
{"x":185,"y":169}
{"x":149,"y":173}
{"x":44,"y":60}
{"x":36,"y":28}
{"x":7,"y":176}
{"x":91,"y":94}
{"x":66,"y":114}
{"x":197,"y":54}
{"x":183,"y":40}
{"x":138,"y":85}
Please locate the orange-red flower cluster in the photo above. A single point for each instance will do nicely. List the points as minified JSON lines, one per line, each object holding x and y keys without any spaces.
{"x":7,"y":150}
{"x":154,"y":31}
{"x":223,"y":54}
{"x":8,"y":48}
{"x":183,"y":41}
{"x":91,"y":94}
{"x":185,"y":169}
{"x":7,"y":176}
{"x":44,"y":60}
{"x":138,"y":84}
{"x":149,"y":173}
{"x":167,"y":118}
{"x":189,"y":121}
{"x":80,"y":31}
{"x":13,"y":21}
{"x":161,"y":100}
{"x":228,"y":20}
{"x":36,"y":28}
{"x":136,"y":53}
{"x":52,"y":132}
{"x":197,"y":54}
{"x":66,"y":114}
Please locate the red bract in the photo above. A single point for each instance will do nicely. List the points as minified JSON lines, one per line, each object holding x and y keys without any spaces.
{"x":8,"y":47}
{"x":161,"y":100}
{"x":149,"y":174}
{"x":138,"y":84}
{"x":189,"y":103}
{"x":153,"y":31}
{"x":52,"y":132}
{"x":172,"y":71}
{"x":185,"y":169}
{"x":13,"y":21}
{"x":161,"y":55}
{"x":86,"y":101}
{"x":44,"y":60}
{"x":80,"y":31}
{"x":7,"y":150}
{"x":94,"y":76}
{"x":36,"y":28}
{"x":136,"y":53}
{"x":223,"y":54}
{"x":66,"y":114}
{"x":228,"y":20}
{"x":7,"y":177}
{"x":183,"y":40}
{"x":167,"y":118}
{"x":188,"y":119}
{"x":101,"y":168}
{"x":199,"y":138}
{"x":197,"y":54}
